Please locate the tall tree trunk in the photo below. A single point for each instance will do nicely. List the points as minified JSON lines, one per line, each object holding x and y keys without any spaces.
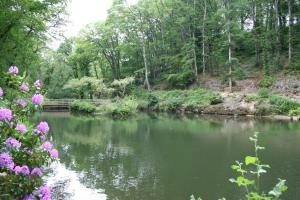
{"x":228,"y":21}
{"x":290,"y":30}
{"x":203,"y":38}
{"x":277,"y":45}
{"x":195,"y":57}
{"x":147,"y":84}
{"x":194,"y":44}
{"x":229,"y":58}
{"x":257,"y":39}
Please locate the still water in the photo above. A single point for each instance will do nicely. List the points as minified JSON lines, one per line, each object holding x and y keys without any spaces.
{"x":165,"y":157}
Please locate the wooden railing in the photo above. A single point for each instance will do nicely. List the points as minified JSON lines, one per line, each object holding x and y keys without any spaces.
{"x":64,"y":104}
{"x":69,"y":101}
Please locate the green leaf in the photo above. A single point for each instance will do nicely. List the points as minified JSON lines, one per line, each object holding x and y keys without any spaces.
{"x":279,"y":188}
{"x":251,"y":160}
{"x":242,"y":181}
{"x":235,"y":167}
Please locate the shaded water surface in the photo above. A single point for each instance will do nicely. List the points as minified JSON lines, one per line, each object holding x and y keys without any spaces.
{"x":165,"y":157}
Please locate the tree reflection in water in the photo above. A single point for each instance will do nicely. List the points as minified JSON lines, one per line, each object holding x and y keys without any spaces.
{"x":167,"y":156}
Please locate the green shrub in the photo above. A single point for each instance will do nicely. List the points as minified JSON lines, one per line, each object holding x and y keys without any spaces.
{"x":216,"y":99}
{"x":295,"y":65}
{"x":267,"y":82}
{"x":191,"y":99}
{"x":264,"y":109}
{"x":294,"y":112}
{"x":283,"y":104}
{"x":251,"y":98}
{"x":239,"y":73}
{"x":121,"y":112}
{"x":82,"y":106}
{"x":124,"y":108}
{"x":264,"y":92}
{"x":152,"y":100}
{"x":181,"y":80}
{"x":107,"y":108}
{"x":123,"y":87}
{"x":174,"y":104}
{"x":142,"y":105}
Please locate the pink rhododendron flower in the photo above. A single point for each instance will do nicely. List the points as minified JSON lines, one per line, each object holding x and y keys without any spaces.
{"x":24,"y":87}
{"x":6,"y":161}
{"x":44,"y":193}
{"x":43,"y":127}
{"x":37,"y":84}
{"x":25,"y":170}
{"x":5,"y":114}
{"x":36,"y":171}
{"x":54,"y":153}
{"x":12,"y":142}
{"x":1,"y":92}
{"x":21,"y":102}
{"x":21,"y":128}
{"x":37,"y":99}
{"x":42,"y":137}
{"x":18,"y":170}
{"x":47,"y":146}
{"x":13,"y":70}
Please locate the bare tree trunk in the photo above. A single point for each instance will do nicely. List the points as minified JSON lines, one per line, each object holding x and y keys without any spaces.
{"x":229,"y":58}
{"x":290,"y":30}
{"x":194,"y":45}
{"x":228,"y":21}
{"x":146,"y":67}
{"x":195,"y":57}
{"x":255,"y":26}
{"x":277,"y":59}
{"x":203,"y":38}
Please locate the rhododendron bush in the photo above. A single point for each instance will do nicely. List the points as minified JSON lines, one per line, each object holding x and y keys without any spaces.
{"x":24,"y":148}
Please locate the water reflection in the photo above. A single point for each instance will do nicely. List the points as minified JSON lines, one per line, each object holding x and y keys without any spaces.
{"x":67,"y":185}
{"x":166,"y":156}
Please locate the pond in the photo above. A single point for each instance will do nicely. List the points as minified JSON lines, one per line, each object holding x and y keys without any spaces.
{"x":165,"y":157}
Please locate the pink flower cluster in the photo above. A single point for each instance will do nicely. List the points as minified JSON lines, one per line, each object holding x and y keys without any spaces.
{"x":22,"y":170}
{"x":44,"y":193}
{"x":36,"y":171}
{"x":47,"y":146}
{"x":5,"y":114}
{"x":12,"y":143}
{"x":21,"y":128}
{"x":43,"y":127}
{"x":38,"y":84}
{"x":37,"y":99}
{"x":26,"y":171}
{"x":13,"y":70}
{"x":19,"y":146}
{"x":21,"y":102}
{"x":6,"y":161}
{"x":24,"y":87}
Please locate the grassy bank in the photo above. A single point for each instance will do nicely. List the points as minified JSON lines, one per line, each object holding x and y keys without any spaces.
{"x":180,"y":100}
{"x":200,"y":101}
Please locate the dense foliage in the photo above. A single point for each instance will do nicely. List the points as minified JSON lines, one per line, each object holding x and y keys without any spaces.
{"x":175,"y":41}
{"x":25,"y":28}
{"x":24,"y":148}
{"x":83,"y":107}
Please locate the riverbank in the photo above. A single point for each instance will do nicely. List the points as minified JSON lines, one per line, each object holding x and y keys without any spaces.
{"x":198,"y":101}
